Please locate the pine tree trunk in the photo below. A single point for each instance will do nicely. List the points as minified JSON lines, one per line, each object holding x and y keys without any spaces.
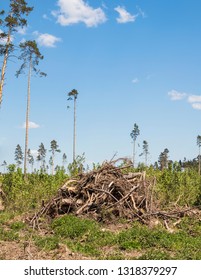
{"x":52,"y":164}
{"x":145,"y":159}
{"x":74,"y":129}
{"x":3,"y":69}
{"x":133,"y":153}
{"x":27,"y":118}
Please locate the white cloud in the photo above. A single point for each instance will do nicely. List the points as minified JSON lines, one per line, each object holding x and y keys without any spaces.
{"x":47,"y":40}
{"x":194,"y":98}
{"x":176,"y":95}
{"x":124,"y":16}
{"x":31,"y":125}
{"x":76,"y":11}
{"x":135,"y":81}
{"x":22,"y":30}
{"x":196,"y":106}
{"x":195,"y":101}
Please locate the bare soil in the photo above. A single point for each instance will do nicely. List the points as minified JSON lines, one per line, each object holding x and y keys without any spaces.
{"x":12,"y":250}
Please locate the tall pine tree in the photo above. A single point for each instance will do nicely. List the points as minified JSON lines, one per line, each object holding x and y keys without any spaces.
{"x":18,"y":155}
{"x":134,"y":134}
{"x":54,"y":148}
{"x":30,"y":56}
{"x":72,"y":95}
{"x":10,"y":22}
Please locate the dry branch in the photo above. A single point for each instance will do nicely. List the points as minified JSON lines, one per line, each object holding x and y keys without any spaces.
{"x":106,"y":194}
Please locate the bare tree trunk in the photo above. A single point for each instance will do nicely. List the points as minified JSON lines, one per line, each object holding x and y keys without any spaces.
{"x":52,"y":164}
{"x":133,"y":153}
{"x":3,"y":69}
{"x":27,"y":119}
{"x":145,"y":159}
{"x":74,"y":129}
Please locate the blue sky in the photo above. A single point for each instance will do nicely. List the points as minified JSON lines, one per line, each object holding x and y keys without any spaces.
{"x":132,"y":61}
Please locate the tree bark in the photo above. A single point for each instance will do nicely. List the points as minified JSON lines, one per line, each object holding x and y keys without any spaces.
{"x":133,"y":153}
{"x":52,"y":163}
{"x":74,"y":129}
{"x":27,"y":119}
{"x":3,"y":69}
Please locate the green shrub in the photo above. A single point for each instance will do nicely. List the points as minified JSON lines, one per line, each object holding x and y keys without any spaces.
{"x":183,"y":187}
{"x":27,"y":195}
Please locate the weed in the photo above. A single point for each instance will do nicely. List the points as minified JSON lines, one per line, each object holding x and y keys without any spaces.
{"x":47,"y":243}
{"x":73,"y":227}
{"x":5,"y":217}
{"x":17,"y":225}
{"x":82,"y":235}
{"x":8,"y":235}
{"x":153,"y":254}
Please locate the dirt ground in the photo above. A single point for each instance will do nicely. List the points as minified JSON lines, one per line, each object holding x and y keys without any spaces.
{"x":12,"y":250}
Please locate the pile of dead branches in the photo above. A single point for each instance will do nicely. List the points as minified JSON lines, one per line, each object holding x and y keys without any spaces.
{"x":110,"y":193}
{"x":103,"y":194}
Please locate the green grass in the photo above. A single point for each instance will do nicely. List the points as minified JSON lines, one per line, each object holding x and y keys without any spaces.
{"x":18,"y":225}
{"x":160,"y":244}
{"x":154,"y":254}
{"x":91,"y":239}
{"x":5,"y":217}
{"x":87,"y":237}
{"x":72,"y":227}
{"x":141,"y":237}
{"x":82,"y":235}
{"x":8,"y":235}
{"x":47,"y":243}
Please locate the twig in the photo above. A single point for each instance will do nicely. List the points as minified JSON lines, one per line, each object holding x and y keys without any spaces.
{"x":125,"y":197}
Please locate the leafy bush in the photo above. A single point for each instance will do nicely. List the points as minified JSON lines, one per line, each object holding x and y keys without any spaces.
{"x":77,"y":165}
{"x":176,"y":186}
{"x":24,"y":195}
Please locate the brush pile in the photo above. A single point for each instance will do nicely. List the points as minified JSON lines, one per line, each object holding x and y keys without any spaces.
{"x":104,"y":194}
